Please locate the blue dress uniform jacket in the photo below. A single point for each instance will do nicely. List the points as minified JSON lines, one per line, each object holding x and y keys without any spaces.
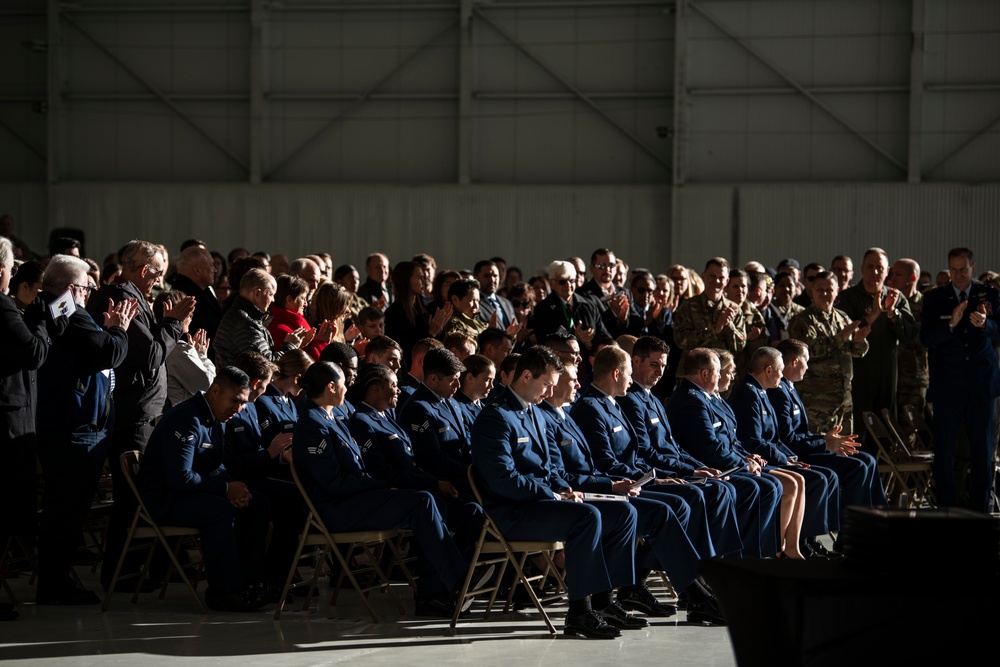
{"x":964,"y":381}
{"x":335,"y":477}
{"x":757,"y":428}
{"x":617,"y":453}
{"x":469,"y":409}
{"x":387,"y":451}
{"x":512,"y":459}
{"x":245,"y":455}
{"x":649,"y":419}
{"x":276,"y":414}
{"x":667,"y":546}
{"x":184,"y":456}
{"x":704,"y":429}
{"x":439,"y":436}
{"x":860,"y":483}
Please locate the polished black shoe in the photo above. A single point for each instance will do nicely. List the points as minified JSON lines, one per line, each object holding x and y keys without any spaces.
{"x":590,"y":625}
{"x":817,"y":548}
{"x":67,"y":597}
{"x":246,"y":600}
{"x":642,"y":600}
{"x":7,"y":612}
{"x":615,"y":616}
{"x":706,"y":612}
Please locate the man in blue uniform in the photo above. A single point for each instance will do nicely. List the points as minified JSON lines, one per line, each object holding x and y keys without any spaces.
{"x":960,"y":329}
{"x":667,"y":546}
{"x":434,"y":420}
{"x":659,"y":450}
{"x":529,"y":502}
{"x":183,"y":482}
{"x":757,"y":429}
{"x":702,"y":434}
{"x":856,"y":470}
{"x":615,"y":447}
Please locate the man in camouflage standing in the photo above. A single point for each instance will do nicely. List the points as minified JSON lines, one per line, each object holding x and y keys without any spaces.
{"x":884,"y":310}
{"x":710,"y":319}
{"x":912,"y":377}
{"x":834,"y":341}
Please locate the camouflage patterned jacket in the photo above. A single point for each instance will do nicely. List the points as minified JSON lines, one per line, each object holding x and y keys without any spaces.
{"x":831,"y":366}
{"x":694,"y":325}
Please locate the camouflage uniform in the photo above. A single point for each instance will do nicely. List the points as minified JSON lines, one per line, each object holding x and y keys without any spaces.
{"x":789,"y":311}
{"x":753,"y":318}
{"x":460,"y":322}
{"x":826,"y":387}
{"x":876,"y":372}
{"x":911,"y":365}
{"x":694,"y":325}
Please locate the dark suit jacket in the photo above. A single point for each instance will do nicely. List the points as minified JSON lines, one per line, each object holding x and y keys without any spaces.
{"x":23,"y":351}
{"x":963,"y":363}
{"x":552,"y":314}
{"x":486,"y":309}
{"x":207,"y":309}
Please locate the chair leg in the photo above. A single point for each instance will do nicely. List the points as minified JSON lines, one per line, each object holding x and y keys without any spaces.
{"x":180,"y":570}
{"x":121,"y":562}
{"x":3,"y":580}
{"x":291,"y":575}
{"x":519,"y":569}
{"x":344,"y":563}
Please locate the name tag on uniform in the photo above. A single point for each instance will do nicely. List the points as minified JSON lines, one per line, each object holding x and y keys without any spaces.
{"x":796,"y":411}
{"x":393,"y":437}
{"x":763,"y":412}
{"x":207,"y":445}
{"x":616,"y":429}
{"x":945,"y":317}
{"x":344,"y":444}
{"x":520,"y":440}
{"x":443,"y":429}
{"x":563,"y":443}
{"x":654,"y":420}
{"x":238,"y":429}
{"x":716,"y":424}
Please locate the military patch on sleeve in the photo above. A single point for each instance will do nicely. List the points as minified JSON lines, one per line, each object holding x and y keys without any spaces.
{"x":183,"y":438}
{"x":264,"y":424}
{"x":318,"y":449}
{"x":420,"y":428}
{"x":365,"y":447}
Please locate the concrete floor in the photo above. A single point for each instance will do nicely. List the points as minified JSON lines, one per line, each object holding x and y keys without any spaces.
{"x":155,"y":632}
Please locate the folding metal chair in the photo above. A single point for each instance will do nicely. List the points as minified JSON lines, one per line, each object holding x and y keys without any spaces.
{"x":501,"y":551}
{"x":903,"y":473}
{"x":143,"y":526}
{"x":370,"y":542}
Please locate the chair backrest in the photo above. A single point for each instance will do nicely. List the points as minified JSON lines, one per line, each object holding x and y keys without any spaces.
{"x":314,"y":519}
{"x":900,"y":447}
{"x":883,"y":441}
{"x":921,"y":429}
{"x":129,"y":461}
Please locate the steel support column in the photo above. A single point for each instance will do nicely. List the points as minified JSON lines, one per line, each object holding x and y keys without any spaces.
{"x":256,"y":88}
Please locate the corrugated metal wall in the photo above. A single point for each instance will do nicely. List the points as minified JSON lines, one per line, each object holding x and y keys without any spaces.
{"x":817,"y":222}
{"x":528,"y":225}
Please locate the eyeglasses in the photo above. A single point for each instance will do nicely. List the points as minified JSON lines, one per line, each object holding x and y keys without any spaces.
{"x":565,"y":281}
{"x":87,"y":289}
{"x":603,"y":265}
{"x":154,"y":272}
{"x":644,"y":290}
{"x":13,"y":270}
{"x":517,"y":303}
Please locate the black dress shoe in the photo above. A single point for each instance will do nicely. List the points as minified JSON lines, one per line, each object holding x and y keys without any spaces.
{"x":822,"y":552}
{"x":67,"y":597}
{"x":706,"y":612}
{"x":615,"y":616}
{"x":7,"y":612}
{"x":590,"y":626}
{"x":642,"y":600}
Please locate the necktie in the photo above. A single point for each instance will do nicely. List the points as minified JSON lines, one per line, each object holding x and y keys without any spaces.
{"x":501,"y":319}
{"x":961,"y":296}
